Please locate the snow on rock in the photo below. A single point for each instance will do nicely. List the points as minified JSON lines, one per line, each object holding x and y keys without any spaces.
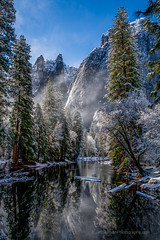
{"x":69,"y":74}
{"x":61,"y":75}
{"x":87,"y":91}
{"x":50,"y":65}
{"x":153,"y":184}
{"x":10,"y":177}
{"x":150,"y":182}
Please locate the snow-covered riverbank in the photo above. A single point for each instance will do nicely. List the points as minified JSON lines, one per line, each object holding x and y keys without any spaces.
{"x":92,"y":159}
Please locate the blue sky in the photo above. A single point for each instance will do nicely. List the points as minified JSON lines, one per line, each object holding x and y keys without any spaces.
{"x":70,"y":27}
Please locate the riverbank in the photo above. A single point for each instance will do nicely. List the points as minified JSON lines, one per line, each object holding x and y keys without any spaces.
{"x":149,"y":184}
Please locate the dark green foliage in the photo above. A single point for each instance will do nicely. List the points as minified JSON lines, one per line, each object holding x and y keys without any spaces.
{"x":7,"y":37}
{"x":78,"y":136}
{"x":40,"y":134}
{"x":21,"y":119}
{"x":65,"y":142}
{"x":77,"y":128}
{"x":6,"y":144}
{"x":117,"y":153}
{"x":123,"y":79}
{"x":55,"y":122}
{"x":122,"y":61}
{"x":2,"y":140}
{"x":84,"y":144}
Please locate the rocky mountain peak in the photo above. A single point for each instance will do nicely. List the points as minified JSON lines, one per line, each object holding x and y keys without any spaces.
{"x":39,"y":64}
{"x":104,"y":39}
{"x":59,"y":58}
{"x":59,"y":67}
{"x":137,"y":25}
{"x":60,"y":74}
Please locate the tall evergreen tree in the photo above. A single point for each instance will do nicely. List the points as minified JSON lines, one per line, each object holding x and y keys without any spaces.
{"x":68,"y":118}
{"x":55,"y":122}
{"x":40,"y":134}
{"x":122,"y":61}
{"x":49,"y":113}
{"x":152,"y":24}
{"x":78,"y":129}
{"x":7,"y":37}
{"x":123,"y":78}
{"x":22,"y":122}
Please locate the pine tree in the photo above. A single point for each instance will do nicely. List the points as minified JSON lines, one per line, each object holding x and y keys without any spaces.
{"x":21,"y":119}
{"x":40,"y":134}
{"x":7,"y":37}
{"x":122,"y":61}
{"x":152,"y":24}
{"x":55,"y":122}
{"x":49,"y":113}
{"x":84,"y":144}
{"x":65,"y":143}
{"x":68,"y":118}
{"x":123,"y":77}
{"x":78,"y":129}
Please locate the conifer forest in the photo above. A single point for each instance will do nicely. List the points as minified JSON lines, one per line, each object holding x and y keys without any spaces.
{"x":80,"y":147}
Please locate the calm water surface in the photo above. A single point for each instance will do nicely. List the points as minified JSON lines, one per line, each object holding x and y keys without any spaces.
{"x":56,"y":206}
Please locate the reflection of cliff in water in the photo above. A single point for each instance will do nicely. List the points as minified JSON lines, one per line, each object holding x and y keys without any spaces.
{"x":51,"y":224}
{"x":55,"y":206}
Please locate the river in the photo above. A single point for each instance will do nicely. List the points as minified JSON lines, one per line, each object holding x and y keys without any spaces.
{"x":55,"y":205}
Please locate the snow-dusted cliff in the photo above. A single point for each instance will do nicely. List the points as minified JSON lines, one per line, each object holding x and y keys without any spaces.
{"x":61,"y":75}
{"x":87,"y":90}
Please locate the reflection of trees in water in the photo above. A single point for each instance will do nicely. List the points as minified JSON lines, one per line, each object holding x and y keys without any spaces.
{"x":54,"y":206}
{"x":52,"y":224}
{"x":22,"y":204}
{"x":127,"y":216}
{"x":39,"y":191}
{"x":135,"y":215}
{"x":80,"y":213}
{"x":17,"y":203}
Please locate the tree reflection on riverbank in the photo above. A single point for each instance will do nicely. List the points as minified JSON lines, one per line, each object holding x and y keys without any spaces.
{"x":56,"y":206}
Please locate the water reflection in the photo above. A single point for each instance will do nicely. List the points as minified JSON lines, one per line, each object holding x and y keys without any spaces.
{"x":55,"y":206}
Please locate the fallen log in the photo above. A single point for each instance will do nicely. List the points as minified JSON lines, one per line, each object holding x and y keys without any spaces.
{"x":142,"y":180}
{"x":147,"y":196}
{"x":130,"y":185}
{"x":89,"y":179}
{"x":116,"y":189}
{"x":69,"y":162}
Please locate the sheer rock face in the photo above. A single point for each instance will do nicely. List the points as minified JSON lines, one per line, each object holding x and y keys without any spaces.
{"x":87,"y":91}
{"x":56,"y":70}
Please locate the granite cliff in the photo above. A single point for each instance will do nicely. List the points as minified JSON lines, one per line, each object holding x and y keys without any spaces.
{"x":61,"y":75}
{"x":87,"y":90}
